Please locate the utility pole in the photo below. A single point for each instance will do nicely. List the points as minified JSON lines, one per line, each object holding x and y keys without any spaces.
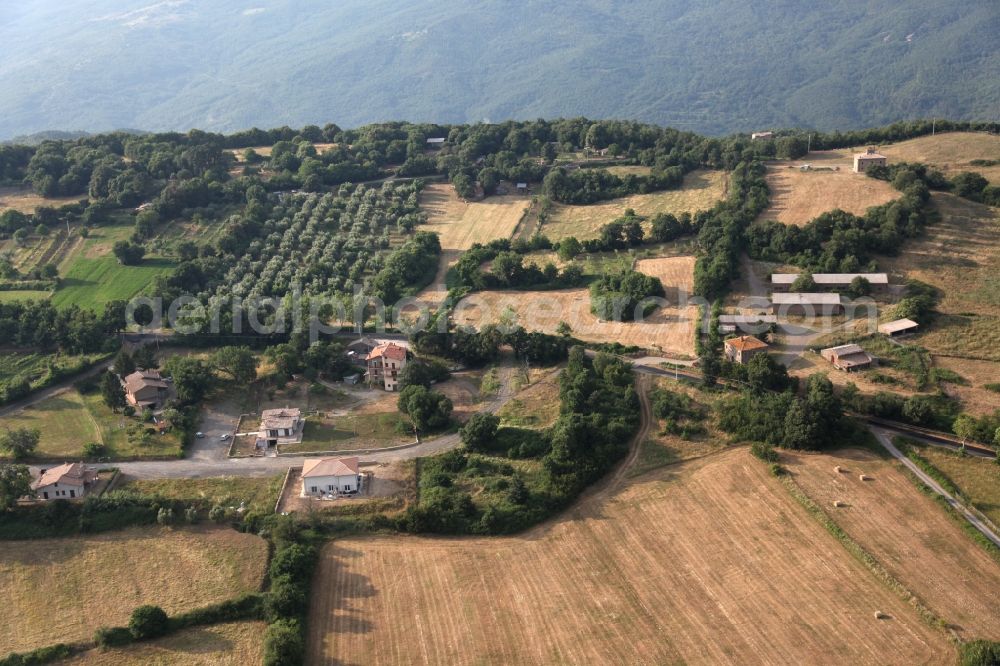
{"x":809,"y":143}
{"x":933,"y":126}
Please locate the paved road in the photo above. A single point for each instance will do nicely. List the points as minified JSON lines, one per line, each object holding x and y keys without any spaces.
{"x":208,"y":456}
{"x":883,"y":438}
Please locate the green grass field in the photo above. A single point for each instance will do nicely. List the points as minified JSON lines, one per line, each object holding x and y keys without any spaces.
{"x":90,"y":283}
{"x":259,"y":494}
{"x":357,"y":431}
{"x":34,"y":367}
{"x":26,"y":295}
{"x":69,"y":420}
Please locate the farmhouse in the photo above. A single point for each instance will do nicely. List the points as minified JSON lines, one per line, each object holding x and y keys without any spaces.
{"x":145,"y":388}
{"x":743,"y":348}
{"x":280,"y":426}
{"x":755,"y":323}
{"x":435,"y":141}
{"x":806,"y":303}
{"x":385,"y":365}
{"x":68,"y":481}
{"x":330,"y":476}
{"x":784,"y":281}
{"x":868,"y":159}
{"x":898,"y":327}
{"x":848,"y":358}
{"x":761,"y":135}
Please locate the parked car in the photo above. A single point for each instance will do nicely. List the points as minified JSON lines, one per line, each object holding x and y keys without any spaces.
{"x":224,"y":436}
{"x":199,"y":435}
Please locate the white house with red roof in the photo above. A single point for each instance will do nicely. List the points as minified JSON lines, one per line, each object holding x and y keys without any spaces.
{"x":330,"y":476}
{"x":67,"y":481}
{"x":385,"y":365}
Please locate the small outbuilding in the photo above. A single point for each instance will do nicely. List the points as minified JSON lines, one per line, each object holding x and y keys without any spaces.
{"x":435,"y":141}
{"x":868,"y":159}
{"x":743,"y":348}
{"x":757,"y":136}
{"x":330,"y":476}
{"x":754,"y":323}
{"x":898,"y":328}
{"x":849,"y":358}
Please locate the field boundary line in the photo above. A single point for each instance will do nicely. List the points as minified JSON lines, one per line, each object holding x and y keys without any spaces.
{"x":869,"y":561}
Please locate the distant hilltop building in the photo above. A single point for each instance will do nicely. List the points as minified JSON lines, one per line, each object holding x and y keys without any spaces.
{"x":761,"y":135}
{"x":868,"y":159}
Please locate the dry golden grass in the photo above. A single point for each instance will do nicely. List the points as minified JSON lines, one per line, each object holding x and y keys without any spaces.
{"x":909,"y":534}
{"x":701,"y":190}
{"x":709,"y":561}
{"x":459,"y":223}
{"x":950,"y":152}
{"x":974,"y":398}
{"x":59,"y":590}
{"x":629,"y":170}
{"x":537,"y":406}
{"x":265,"y":151}
{"x":668,"y":329}
{"x":234,"y":644}
{"x":799,"y":196}
{"x":24,"y":200}
{"x":960,"y":255}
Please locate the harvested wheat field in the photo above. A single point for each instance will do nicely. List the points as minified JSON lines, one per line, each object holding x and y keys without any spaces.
{"x":24,"y":200}
{"x":799,"y":196}
{"x":909,"y":534}
{"x":234,"y":644}
{"x":700,"y":191}
{"x":668,"y":329}
{"x":960,"y":255}
{"x":460,"y":223}
{"x":61,"y":590}
{"x":950,"y":152}
{"x":708,"y":561}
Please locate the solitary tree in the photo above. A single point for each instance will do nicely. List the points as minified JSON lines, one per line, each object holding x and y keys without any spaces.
{"x":123,"y":364}
{"x":237,"y":362}
{"x":480,"y":431}
{"x":20,"y":442}
{"x":112,"y":391}
{"x":15,"y":482}
{"x":148,"y":622}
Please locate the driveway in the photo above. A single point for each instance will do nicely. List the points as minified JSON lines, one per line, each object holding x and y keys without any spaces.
{"x":208,"y":456}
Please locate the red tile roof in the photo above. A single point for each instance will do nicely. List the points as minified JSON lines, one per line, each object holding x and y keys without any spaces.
{"x":389,"y":350}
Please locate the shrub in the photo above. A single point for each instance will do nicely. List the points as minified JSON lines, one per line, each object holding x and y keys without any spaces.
{"x":480,"y":431}
{"x":979,"y":653}
{"x":777,"y":470}
{"x":283,"y":644}
{"x":148,"y":622}
{"x":247,"y":607}
{"x":40,"y":656}
{"x":992,"y":387}
{"x":106,"y":637}
{"x":286,"y":598}
{"x":94,"y":450}
{"x":764,"y":451}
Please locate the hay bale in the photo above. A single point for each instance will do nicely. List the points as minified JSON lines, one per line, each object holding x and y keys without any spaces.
{"x":837,"y":469}
{"x":838,"y":503}
{"x":879,"y":615}
{"x":864,"y":477}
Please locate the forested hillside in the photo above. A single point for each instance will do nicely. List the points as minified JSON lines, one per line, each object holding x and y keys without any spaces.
{"x":714,"y":67}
